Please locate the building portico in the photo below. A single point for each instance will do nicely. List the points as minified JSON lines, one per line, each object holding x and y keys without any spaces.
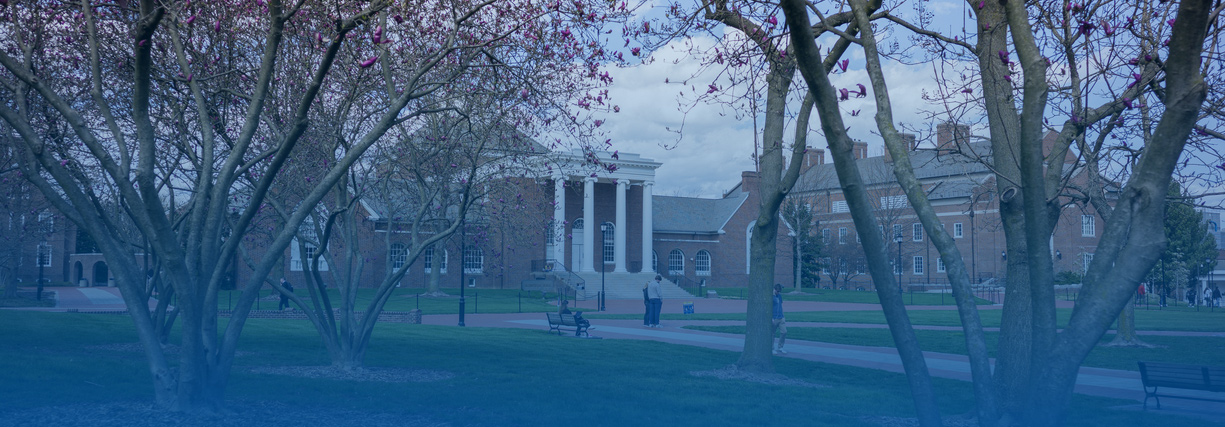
{"x":619,"y":200}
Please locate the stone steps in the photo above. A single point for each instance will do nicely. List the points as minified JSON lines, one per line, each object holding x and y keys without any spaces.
{"x":628,"y":286}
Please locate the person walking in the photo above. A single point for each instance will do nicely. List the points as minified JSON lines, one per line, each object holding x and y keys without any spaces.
{"x":1216,"y":296}
{"x":285,"y":297}
{"x":780,"y":322}
{"x":655,"y":298}
{"x":1207,"y":296}
{"x":1190,"y":297}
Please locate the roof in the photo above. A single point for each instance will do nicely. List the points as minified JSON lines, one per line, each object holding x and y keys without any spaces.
{"x":694,"y":215}
{"x":950,"y":170}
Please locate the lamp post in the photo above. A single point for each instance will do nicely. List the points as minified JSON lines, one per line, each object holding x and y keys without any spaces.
{"x":462,"y":285}
{"x":897,"y":238}
{"x":603,"y":265}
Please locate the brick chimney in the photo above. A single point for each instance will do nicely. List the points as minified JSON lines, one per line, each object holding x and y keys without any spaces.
{"x":813,"y":157}
{"x":907,"y":138}
{"x":949,"y":136}
{"x":748,"y":180}
{"x":859,"y":150}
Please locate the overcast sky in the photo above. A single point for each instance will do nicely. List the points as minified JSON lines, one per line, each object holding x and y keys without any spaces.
{"x":715,"y":144}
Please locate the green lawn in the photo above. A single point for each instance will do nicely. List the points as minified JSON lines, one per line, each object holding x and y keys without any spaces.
{"x":851,"y":296}
{"x":1190,"y":350}
{"x":502,"y":377}
{"x":1168,"y":319}
{"x":405,"y":299}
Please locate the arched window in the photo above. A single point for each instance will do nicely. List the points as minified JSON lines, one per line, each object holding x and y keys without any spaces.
{"x":655,"y":262}
{"x":429,"y":261}
{"x":748,"y":249}
{"x":610,"y":243}
{"x":474,"y":260}
{"x":398,"y":256}
{"x":578,"y":224}
{"x":701,"y":263}
{"x":676,"y":263}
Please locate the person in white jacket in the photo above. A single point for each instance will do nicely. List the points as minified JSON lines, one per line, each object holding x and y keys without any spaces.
{"x":655,"y":299}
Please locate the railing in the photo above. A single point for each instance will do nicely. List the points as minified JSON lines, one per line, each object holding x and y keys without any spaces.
{"x":689,"y":285}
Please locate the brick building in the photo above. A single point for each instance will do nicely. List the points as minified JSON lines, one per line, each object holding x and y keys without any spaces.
{"x":961,"y":189}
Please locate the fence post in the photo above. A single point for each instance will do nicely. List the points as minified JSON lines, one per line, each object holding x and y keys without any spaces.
{"x":476,"y":302}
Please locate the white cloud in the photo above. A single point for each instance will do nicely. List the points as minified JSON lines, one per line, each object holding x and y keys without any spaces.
{"x":716,"y":144}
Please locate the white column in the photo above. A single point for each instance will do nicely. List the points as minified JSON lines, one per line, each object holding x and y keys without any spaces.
{"x":648,"y":234}
{"x":619,"y":232}
{"x":590,"y":228}
{"x":559,"y":219}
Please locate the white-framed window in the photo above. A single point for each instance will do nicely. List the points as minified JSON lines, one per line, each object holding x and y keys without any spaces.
{"x":299,"y":259}
{"x":841,"y":235}
{"x":842,"y":267}
{"x":957,"y":230}
{"x":839,"y":206}
{"x":825,"y":236}
{"x":676,"y":262}
{"x":1086,"y":259}
{"x":825,"y":265}
{"x":916,"y":231}
{"x":1087,"y":227}
{"x":474,"y":260}
{"x":857,"y":239}
{"x":429,"y":261}
{"x":892,"y":202}
{"x":861,"y":266}
{"x":398,"y":255}
{"x":44,"y":255}
{"x":897,"y":268}
{"x":939,"y":265}
{"x":46,"y":222}
{"x":610,"y":243}
{"x":655,"y":262}
{"x":918,"y":266}
{"x":701,"y":263}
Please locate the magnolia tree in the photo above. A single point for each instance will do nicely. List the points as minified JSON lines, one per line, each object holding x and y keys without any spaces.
{"x":184,"y":113}
{"x":1037,"y":371}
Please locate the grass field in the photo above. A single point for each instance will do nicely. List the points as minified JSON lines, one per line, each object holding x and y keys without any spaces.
{"x":1167,"y":319}
{"x":851,"y":296}
{"x":404,"y":299}
{"x":503,"y":377}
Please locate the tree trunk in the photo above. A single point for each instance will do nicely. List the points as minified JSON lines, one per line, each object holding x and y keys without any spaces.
{"x":808,"y":58}
{"x":1125,"y":333}
{"x":759,"y":330}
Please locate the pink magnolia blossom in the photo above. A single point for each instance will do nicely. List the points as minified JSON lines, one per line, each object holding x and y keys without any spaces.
{"x":367,"y":63}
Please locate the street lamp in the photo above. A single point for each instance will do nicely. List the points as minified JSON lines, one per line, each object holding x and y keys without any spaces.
{"x":462,"y":285}
{"x":897,"y":238}
{"x":603,"y":265}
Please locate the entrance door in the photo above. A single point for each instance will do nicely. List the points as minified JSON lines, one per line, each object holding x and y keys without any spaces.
{"x":576,"y":246}
{"x":101,"y":274}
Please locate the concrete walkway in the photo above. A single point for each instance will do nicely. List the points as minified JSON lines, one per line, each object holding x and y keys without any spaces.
{"x":1111,"y":383}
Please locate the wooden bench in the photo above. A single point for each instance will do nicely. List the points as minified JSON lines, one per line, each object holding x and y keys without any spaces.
{"x":559,"y":321}
{"x":1187,"y":377}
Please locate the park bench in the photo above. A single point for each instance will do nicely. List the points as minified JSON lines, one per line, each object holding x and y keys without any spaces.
{"x":1187,"y":377}
{"x":559,"y":321}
